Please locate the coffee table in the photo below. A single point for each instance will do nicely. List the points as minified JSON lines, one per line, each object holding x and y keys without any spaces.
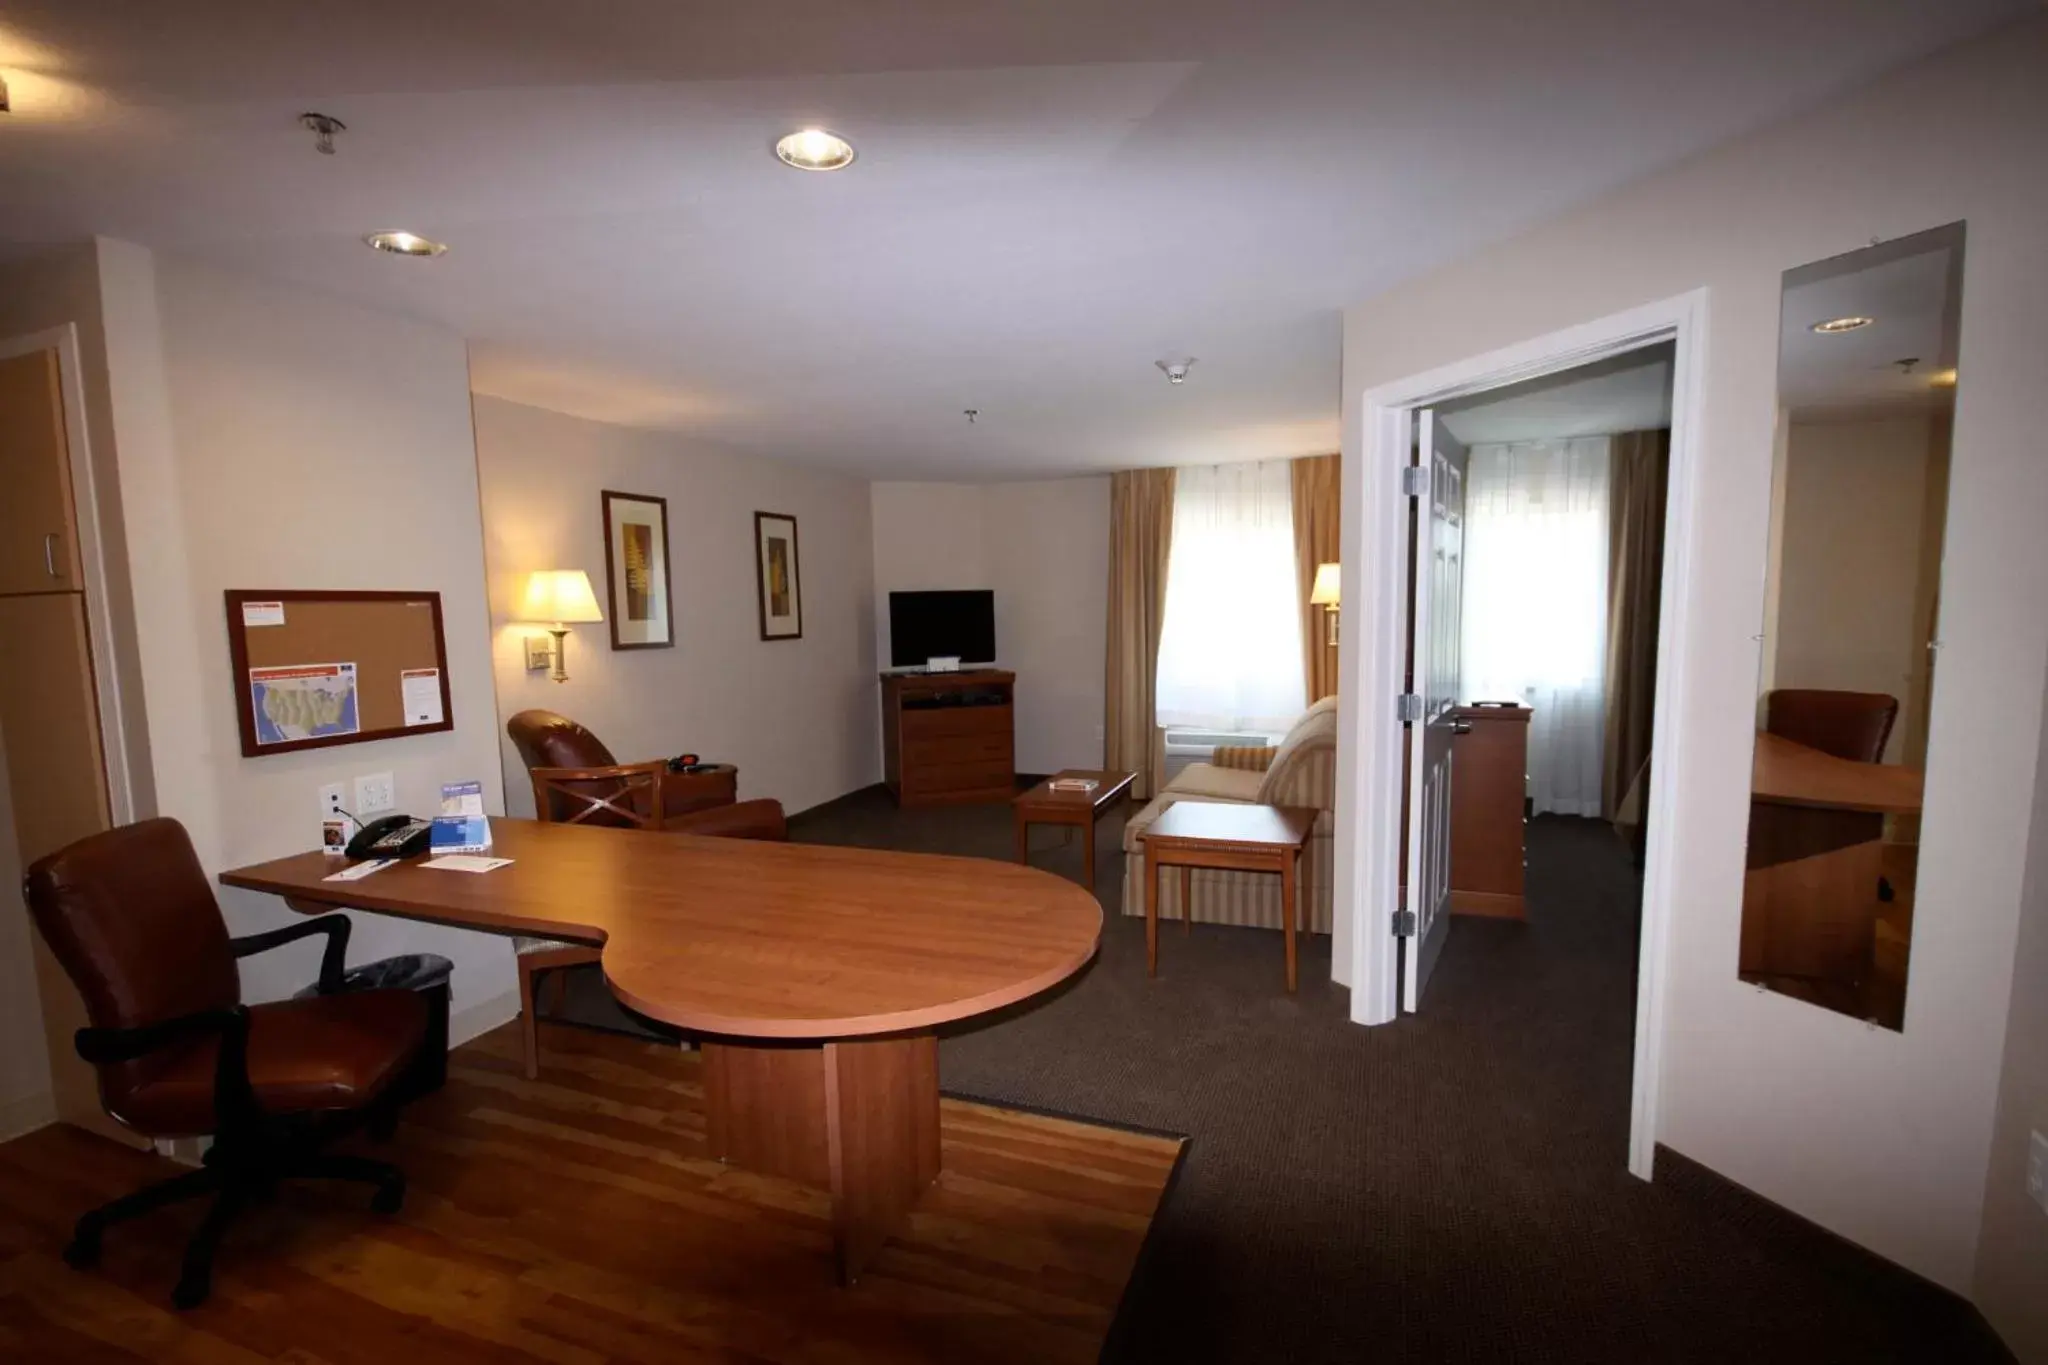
{"x":1044,"y":806}
{"x":1231,"y":838}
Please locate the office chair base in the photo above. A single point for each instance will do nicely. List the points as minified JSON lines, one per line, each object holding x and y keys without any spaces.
{"x":235,"y":1180}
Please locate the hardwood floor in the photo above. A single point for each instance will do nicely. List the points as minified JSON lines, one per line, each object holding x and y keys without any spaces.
{"x":576,"y":1219}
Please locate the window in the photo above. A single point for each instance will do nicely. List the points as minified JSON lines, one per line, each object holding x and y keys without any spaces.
{"x":1230,"y":647}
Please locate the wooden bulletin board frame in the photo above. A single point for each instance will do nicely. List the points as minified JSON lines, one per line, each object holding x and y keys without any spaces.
{"x":381,"y":633}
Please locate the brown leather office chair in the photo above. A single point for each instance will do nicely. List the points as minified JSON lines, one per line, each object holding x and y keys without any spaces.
{"x":131,"y":917}
{"x":1851,"y":725}
{"x":576,"y":781}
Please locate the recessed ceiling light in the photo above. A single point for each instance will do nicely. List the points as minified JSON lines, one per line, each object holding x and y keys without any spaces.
{"x":400,"y":243}
{"x":814,"y":149}
{"x":1835,"y":325}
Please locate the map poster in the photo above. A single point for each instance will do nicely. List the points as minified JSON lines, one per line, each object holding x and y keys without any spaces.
{"x":303,"y":701}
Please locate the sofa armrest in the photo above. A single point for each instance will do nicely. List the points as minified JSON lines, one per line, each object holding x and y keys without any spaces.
{"x":1250,"y":757}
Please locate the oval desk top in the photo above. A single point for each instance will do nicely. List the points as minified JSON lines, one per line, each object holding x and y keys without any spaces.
{"x":744,"y":938}
{"x":1791,"y":774}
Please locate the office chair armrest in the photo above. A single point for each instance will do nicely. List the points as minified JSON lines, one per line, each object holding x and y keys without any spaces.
{"x":234,"y":1102}
{"x":332,"y":961}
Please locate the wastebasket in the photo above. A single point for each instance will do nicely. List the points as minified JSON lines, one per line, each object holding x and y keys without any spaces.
{"x":428,"y":974}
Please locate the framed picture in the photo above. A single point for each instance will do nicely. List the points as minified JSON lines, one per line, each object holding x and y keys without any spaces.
{"x":636,"y":571}
{"x":775,"y":569}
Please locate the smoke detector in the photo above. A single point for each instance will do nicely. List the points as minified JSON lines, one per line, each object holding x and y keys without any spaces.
{"x":1176,"y":371}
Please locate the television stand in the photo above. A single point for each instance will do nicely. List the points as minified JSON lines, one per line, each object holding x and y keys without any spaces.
{"x":949,"y":737}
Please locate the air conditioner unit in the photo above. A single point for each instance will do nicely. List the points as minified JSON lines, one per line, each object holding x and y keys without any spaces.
{"x":1197,"y":746}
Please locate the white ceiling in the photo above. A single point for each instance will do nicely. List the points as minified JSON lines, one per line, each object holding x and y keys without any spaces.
{"x":1049,"y":197}
{"x":1630,"y":392}
{"x":1906,"y":293}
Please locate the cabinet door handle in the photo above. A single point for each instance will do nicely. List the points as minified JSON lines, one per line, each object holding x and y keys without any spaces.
{"x":50,"y":554}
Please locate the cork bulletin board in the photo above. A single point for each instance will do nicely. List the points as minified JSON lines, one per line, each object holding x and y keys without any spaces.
{"x":319,"y":668}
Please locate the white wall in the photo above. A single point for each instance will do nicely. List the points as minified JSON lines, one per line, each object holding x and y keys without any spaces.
{"x":1882,"y":1137}
{"x":799,"y":717}
{"x":1043,"y":548}
{"x":274,"y":438}
{"x":1855,"y":497}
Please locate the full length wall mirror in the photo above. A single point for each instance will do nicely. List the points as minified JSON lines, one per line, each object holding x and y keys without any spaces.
{"x":1859,"y":495}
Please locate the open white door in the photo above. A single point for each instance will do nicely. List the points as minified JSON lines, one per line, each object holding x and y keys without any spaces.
{"x":1438,"y":590}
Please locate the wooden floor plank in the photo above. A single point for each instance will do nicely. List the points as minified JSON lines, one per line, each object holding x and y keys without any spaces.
{"x":578,"y":1220}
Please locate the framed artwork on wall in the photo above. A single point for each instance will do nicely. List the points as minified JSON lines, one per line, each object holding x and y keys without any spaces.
{"x":636,"y":571}
{"x":775,"y":570}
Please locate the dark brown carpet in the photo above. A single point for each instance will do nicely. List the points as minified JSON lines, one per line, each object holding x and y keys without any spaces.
{"x":1448,"y":1188}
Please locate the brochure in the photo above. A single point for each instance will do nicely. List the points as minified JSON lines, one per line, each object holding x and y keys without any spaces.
{"x":462,"y":826}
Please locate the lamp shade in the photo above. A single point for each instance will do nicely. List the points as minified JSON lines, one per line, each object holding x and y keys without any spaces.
{"x":560,"y":595}
{"x":1324,"y":593}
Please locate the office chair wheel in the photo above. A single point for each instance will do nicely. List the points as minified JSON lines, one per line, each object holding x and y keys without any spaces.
{"x":192,"y":1289}
{"x":82,"y":1252}
{"x":390,"y":1196}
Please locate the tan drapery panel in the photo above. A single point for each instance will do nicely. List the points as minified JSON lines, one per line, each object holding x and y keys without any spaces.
{"x":1638,"y":463}
{"x":1316,"y":514}
{"x":1140,"y":540}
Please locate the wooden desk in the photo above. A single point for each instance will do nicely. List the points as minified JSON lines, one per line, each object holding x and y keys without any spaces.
{"x":1044,"y":806}
{"x":819,"y":974}
{"x":1815,"y":855}
{"x":1231,"y":838}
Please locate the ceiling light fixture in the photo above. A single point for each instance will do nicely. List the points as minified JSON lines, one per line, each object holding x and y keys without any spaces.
{"x":1176,"y":370}
{"x":1943,"y":379}
{"x":815,"y":149}
{"x":1835,"y":326}
{"x":401,"y":243}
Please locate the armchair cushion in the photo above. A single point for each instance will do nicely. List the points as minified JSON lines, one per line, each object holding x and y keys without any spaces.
{"x":320,"y":1053}
{"x":1304,"y":768}
{"x":1256,"y":758}
{"x":1206,"y":781}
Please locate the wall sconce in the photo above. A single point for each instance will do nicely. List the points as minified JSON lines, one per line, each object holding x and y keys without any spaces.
{"x":562,"y":596}
{"x":1324,"y":595}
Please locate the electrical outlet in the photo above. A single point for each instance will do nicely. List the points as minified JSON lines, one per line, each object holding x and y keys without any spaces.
{"x":2037,"y":1171}
{"x":332,"y":802}
{"x":376,"y":793}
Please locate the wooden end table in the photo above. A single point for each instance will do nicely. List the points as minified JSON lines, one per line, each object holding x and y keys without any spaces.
{"x":1043,"y":806}
{"x":1230,"y":838}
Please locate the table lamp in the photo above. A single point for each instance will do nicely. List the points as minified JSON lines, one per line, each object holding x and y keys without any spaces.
{"x":561,"y":596}
{"x":1324,"y":595}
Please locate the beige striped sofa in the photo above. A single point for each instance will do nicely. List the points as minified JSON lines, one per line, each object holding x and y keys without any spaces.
{"x":1300,"y":771}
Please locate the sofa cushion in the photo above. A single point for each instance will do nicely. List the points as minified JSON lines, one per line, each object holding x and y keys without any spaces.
{"x":1217,"y":784}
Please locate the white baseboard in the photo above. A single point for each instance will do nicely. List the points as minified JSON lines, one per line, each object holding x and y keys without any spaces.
{"x":27,"y":1114}
{"x":473,"y":1021}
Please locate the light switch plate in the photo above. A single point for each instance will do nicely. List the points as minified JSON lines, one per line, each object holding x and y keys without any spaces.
{"x":376,"y":793}
{"x":2037,"y":1171}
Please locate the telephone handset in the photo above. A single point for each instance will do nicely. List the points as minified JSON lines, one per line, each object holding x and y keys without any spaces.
{"x":394,"y":836}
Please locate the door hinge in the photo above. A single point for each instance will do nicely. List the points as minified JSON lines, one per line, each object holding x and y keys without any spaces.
{"x":1404,"y":924}
{"x":1414,"y":479}
{"x":1408,"y":707}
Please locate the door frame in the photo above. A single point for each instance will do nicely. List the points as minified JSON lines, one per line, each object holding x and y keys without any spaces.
{"x":1368,"y":853}
{"x":85,"y":514}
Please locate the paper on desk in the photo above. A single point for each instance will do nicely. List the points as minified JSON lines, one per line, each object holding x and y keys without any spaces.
{"x":466,"y":862}
{"x":358,"y":871}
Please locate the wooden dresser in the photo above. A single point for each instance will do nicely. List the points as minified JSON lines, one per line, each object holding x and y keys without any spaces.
{"x":949,"y":736}
{"x":1489,"y":787}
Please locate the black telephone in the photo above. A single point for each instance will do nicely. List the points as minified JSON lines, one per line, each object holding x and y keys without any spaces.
{"x":394,"y":836}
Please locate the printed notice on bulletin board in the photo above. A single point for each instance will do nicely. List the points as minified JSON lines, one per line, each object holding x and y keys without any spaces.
{"x":304,"y":701}
{"x":421,"y":688}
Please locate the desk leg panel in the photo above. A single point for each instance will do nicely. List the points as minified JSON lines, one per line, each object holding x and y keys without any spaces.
{"x":882,"y":1115}
{"x":764,"y":1109}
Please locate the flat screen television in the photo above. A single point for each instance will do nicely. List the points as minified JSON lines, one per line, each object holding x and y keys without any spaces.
{"x":932,"y":625}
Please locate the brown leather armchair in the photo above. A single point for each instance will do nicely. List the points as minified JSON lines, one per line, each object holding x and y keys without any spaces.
{"x":132,"y":919}
{"x":1851,"y":725}
{"x":577,"y":781}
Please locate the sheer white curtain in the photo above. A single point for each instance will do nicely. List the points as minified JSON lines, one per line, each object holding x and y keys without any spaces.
{"x":1230,"y":648}
{"x":1536,"y":605}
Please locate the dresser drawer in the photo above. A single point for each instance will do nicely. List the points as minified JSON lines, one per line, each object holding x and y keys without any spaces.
{"x":940,"y":778}
{"x":956,"y":720}
{"x":958,"y":749}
